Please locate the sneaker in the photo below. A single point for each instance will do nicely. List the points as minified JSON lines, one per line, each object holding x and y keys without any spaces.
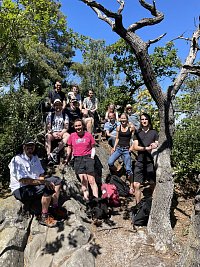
{"x":47,"y":220}
{"x":59,"y":212}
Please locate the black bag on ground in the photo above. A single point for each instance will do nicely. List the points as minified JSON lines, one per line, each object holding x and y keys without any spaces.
{"x":98,"y":208}
{"x":140,"y":213}
{"x":122,"y":187}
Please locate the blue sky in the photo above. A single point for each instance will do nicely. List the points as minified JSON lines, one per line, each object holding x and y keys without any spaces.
{"x":179,"y":19}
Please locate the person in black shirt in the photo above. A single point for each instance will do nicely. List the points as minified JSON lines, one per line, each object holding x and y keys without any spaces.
{"x":145,"y":139}
{"x":73,"y":112}
{"x":57,"y":93}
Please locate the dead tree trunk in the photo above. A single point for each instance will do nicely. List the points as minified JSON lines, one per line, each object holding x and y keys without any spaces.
{"x":159,"y":223}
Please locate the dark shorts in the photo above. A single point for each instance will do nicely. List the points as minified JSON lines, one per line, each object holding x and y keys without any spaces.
{"x":84,"y":165}
{"x":30,"y":192}
{"x":144,"y":172}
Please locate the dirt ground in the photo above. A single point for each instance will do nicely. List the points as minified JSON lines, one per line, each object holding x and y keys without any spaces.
{"x":116,"y":243}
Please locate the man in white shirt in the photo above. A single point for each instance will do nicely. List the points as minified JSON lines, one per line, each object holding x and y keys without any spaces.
{"x":28,"y":183}
{"x":57,"y":124}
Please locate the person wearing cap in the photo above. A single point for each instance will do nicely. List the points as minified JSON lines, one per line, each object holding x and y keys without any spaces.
{"x":57,"y":124}
{"x":74,"y":93}
{"x":73,"y":111}
{"x":132,"y":117}
{"x":57,"y":93}
{"x":28,"y":183}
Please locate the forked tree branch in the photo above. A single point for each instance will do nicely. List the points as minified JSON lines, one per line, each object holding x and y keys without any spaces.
{"x":193,"y":69}
{"x":194,"y":48}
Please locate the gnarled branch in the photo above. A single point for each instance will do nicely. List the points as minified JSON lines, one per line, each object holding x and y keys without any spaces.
{"x":193,"y":69}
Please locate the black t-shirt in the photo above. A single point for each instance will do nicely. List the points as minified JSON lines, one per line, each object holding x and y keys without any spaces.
{"x":144,"y":140}
{"x":53,"y":95}
{"x":73,"y":114}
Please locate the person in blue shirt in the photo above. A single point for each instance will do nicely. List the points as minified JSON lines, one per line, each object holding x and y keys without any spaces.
{"x":132,"y":117}
{"x":110,"y":128}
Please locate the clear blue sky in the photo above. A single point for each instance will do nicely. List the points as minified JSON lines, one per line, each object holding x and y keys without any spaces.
{"x":179,"y":19}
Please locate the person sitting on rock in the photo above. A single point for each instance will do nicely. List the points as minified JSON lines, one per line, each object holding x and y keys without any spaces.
{"x":74,"y":93}
{"x":73,"y":112}
{"x":132,"y":117}
{"x":111,"y":109}
{"x":90,"y":104}
{"x":28,"y":183}
{"x":57,"y":93}
{"x":82,"y":144}
{"x":57,"y":124}
{"x":110,"y":127}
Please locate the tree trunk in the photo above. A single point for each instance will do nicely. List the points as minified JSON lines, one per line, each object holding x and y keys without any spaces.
{"x":159,"y":225}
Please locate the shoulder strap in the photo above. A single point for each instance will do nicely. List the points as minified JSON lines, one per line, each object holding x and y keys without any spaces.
{"x":52,"y":117}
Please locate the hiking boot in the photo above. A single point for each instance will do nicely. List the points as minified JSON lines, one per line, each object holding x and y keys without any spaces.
{"x":47,"y":220}
{"x":59,"y":212}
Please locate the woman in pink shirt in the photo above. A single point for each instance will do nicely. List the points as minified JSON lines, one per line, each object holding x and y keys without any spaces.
{"x":82,"y":144}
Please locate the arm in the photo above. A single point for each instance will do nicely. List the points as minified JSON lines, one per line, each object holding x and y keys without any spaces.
{"x":69,"y":151}
{"x":93,"y":152}
{"x":116,"y":140}
{"x":39,"y":181}
{"x":135,"y":146}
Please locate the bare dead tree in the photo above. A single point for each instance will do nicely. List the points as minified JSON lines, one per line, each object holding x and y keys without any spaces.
{"x":159,"y":225}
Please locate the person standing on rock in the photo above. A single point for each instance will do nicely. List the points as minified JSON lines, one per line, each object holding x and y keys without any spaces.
{"x":82,"y":144}
{"x":145,"y":140}
{"x":28,"y":183}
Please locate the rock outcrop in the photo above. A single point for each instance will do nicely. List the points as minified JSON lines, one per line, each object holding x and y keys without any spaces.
{"x":24,"y":242}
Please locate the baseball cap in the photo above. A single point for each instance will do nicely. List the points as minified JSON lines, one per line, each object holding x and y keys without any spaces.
{"x":29,"y":141}
{"x":57,"y":100}
{"x":128,"y":106}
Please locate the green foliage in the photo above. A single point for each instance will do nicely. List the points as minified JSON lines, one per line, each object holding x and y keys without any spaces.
{"x":34,"y":43}
{"x":20,"y":118}
{"x":186,"y":152}
{"x":164,"y":59}
{"x":145,"y":104}
{"x":186,"y":148}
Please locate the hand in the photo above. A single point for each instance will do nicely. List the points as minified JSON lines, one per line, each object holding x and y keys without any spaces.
{"x":154,"y":145}
{"x":148,"y":148}
{"x":49,"y":185}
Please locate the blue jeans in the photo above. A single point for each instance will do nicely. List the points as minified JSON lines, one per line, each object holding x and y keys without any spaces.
{"x":125,"y":154}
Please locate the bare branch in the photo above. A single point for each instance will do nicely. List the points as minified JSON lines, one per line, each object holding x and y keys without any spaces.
{"x":155,"y":40}
{"x":158,"y":17}
{"x":121,"y":8}
{"x":181,"y":37}
{"x":194,"y":48}
{"x":105,"y":14}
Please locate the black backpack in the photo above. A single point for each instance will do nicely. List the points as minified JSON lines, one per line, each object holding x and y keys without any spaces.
{"x":98,"y":208}
{"x":122,"y":187}
{"x":140,"y":213}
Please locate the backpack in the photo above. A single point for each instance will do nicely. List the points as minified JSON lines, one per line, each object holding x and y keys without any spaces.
{"x":122,"y":187}
{"x":98,"y":208}
{"x":140,"y":213}
{"x":109,"y":192}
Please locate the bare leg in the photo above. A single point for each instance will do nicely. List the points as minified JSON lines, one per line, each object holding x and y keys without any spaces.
{"x":63,"y":141}
{"x":93,"y":185}
{"x":138,"y":194}
{"x":45,"y":201}
{"x":48,"y":140}
{"x":84,"y":185}
{"x":55,"y":196}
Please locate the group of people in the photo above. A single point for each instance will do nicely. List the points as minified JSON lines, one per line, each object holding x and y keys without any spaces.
{"x":68,"y":122}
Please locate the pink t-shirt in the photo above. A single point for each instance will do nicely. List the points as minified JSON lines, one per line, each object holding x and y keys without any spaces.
{"x":81,"y":145}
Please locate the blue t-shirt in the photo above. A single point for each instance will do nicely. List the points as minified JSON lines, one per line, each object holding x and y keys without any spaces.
{"x":108,"y":126}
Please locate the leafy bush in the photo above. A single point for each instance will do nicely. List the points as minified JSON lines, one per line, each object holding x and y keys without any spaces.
{"x":20,"y":118}
{"x":186,"y":151}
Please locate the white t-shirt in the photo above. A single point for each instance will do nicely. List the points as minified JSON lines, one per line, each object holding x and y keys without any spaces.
{"x":58,"y":122}
{"x":21,"y":166}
